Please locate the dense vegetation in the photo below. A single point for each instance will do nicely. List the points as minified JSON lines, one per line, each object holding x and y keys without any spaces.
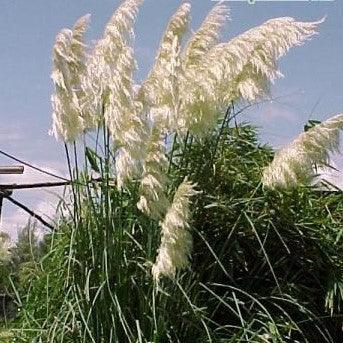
{"x":266,"y":265}
{"x":183,"y":235}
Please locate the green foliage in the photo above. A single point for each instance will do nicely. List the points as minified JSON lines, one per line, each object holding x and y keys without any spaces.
{"x":266,"y":265}
{"x":5,"y":271}
{"x":271,"y":261}
{"x":18,"y":265}
{"x":41,"y":285}
{"x":4,"y":260}
{"x":27,"y":248}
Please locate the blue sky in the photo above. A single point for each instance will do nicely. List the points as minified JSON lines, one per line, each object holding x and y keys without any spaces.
{"x":312,"y":86}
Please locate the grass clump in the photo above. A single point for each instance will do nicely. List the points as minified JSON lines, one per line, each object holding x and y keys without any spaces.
{"x":265,"y":264}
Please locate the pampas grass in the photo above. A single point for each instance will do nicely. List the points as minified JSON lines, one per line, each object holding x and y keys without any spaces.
{"x":68,"y":68}
{"x":176,"y":240}
{"x":229,"y":262}
{"x":298,"y":161}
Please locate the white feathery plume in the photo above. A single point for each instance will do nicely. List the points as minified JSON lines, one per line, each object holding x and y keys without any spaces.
{"x":153,"y":200}
{"x":77,"y":44}
{"x":159,"y":94}
{"x":277,"y":37}
{"x":126,"y":166}
{"x":176,"y":240}
{"x":131,"y":151}
{"x":197,"y":48}
{"x":68,"y":68}
{"x":110,"y":85}
{"x":257,"y":49}
{"x":110,"y":72}
{"x":239,"y":69}
{"x":207,"y":36}
{"x":160,"y":91}
{"x":296,"y":163}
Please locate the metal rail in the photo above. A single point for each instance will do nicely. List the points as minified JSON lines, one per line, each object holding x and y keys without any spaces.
{"x":12,"y":170}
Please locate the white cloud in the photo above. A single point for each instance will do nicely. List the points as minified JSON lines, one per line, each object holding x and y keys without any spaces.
{"x":274,"y":111}
{"x":9,"y":137}
{"x":41,"y":201}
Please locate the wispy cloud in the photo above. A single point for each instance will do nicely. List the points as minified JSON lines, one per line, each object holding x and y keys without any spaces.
{"x":41,"y":201}
{"x":6,"y":137}
{"x":277,"y":123}
{"x":276,"y":112}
